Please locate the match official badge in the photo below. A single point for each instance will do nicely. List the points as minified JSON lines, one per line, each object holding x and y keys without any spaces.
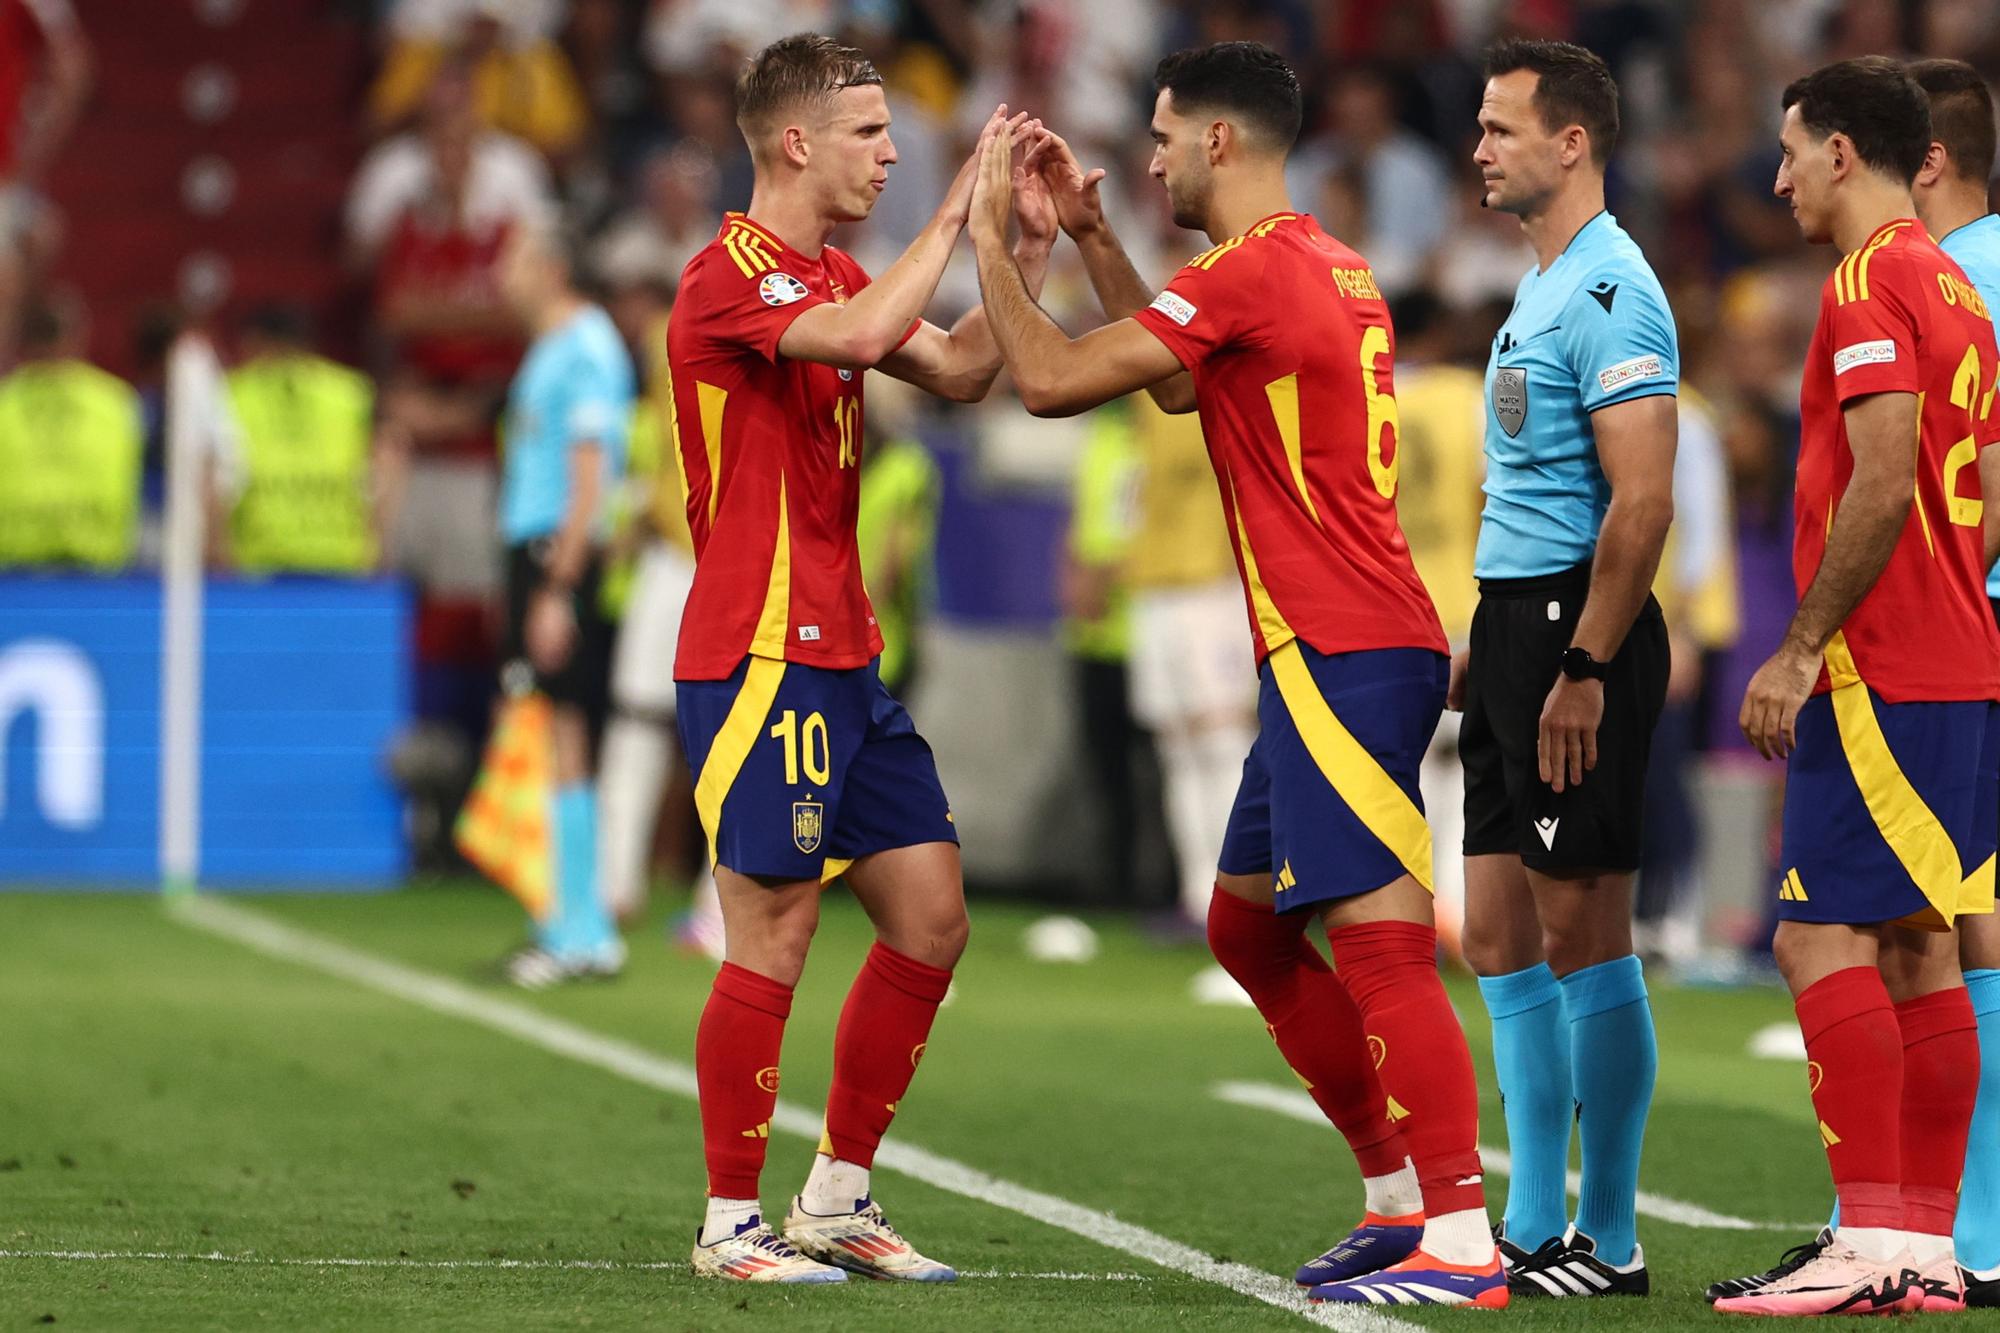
{"x":781,"y":289}
{"x":1510,"y":398}
{"x":808,"y":823}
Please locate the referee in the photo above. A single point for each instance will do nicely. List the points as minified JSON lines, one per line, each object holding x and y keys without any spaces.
{"x":568,"y":415}
{"x":1567,"y":671}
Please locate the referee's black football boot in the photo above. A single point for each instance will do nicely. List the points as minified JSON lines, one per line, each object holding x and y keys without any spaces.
{"x":1981,"y":1293}
{"x":1794,"y":1259}
{"x":1510,"y":1253}
{"x":1567,"y":1266}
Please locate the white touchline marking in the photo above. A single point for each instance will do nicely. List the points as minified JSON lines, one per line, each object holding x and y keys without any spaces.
{"x":1299,"y":1106}
{"x":596,"y":1265}
{"x":444,"y":996}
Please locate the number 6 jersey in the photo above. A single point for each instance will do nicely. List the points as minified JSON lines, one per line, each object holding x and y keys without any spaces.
{"x":770,"y":454}
{"x":1898,"y":316}
{"x":1290,"y":346}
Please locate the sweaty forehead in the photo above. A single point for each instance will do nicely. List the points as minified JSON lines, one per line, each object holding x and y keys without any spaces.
{"x":862,"y":104}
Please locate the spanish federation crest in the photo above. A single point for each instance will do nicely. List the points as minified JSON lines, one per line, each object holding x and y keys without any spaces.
{"x":808,"y":820}
{"x":1510,"y":398}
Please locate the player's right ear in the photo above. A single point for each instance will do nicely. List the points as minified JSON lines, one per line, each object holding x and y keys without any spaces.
{"x":792,"y":145}
{"x":1934,"y":167}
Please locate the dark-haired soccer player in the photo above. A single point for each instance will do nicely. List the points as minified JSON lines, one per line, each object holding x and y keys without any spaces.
{"x":1567,"y":672}
{"x":806,"y":767}
{"x":1281,"y":338}
{"x":1950,"y":196}
{"x":1889,"y":729}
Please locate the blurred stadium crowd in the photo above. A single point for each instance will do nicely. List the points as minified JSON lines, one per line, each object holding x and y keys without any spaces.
{"x":362,"y":436}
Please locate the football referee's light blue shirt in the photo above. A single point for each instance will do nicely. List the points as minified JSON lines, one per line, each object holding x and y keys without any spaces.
{"x":1590,"y":331}
{"x":1976,"y":249}
{"x":574,"y":387}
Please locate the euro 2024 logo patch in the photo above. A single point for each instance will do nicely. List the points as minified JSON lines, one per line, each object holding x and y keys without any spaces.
{"x":781,"y":289}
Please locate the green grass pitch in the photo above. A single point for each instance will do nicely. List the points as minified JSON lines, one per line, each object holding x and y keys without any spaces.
{"x":168,"y":1092}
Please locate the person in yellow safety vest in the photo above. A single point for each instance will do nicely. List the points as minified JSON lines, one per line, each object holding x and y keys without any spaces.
{"x":896,"y":532}
{"x":1441,"y":460}
{"x":1193,"y":672}
{"x":1696,"y":589}
{"x":640,"y":771}
{"x":70,"y":445}
{"x":296,"y":497}
{"x":1096,"y":608}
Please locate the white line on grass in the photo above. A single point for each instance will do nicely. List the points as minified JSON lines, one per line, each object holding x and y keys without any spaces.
{"x":598,"y":1265}
{"x":1299,"y":1106}
{"x":641,"y":1066}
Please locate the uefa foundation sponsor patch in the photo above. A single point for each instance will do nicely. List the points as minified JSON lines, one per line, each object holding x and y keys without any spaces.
{"x":1179,"y":310}
{"x":1879,"y":352}
{"x":1638,"y":368}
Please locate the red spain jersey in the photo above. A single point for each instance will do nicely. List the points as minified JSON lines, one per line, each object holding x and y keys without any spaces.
{"x":770,"y":449}
{"x":1289,"y":342}
{"x":1899,"y":316}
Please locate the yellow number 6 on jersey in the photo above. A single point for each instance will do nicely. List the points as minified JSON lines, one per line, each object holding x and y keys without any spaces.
{"x":1382,"y":414}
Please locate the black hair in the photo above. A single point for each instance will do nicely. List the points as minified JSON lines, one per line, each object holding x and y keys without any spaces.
{"x":1876,"y":104}
{"x":1246,"y":80}
{"x":1573,"y":87}
{"x":1961,"y":115}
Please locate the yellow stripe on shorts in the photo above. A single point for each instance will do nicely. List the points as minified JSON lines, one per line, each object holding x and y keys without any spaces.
{"x":731,"y":747}
{"x":1913,"y":833}
{"x":1383,"y":807}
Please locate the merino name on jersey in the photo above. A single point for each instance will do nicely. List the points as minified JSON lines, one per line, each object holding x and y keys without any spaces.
{"x":770,"y":449}
{"x":1894,"y":318}
{"x":1288,"y":339}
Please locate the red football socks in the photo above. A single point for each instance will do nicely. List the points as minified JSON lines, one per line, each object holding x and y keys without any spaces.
{"x":883,"y":1028}
{"x":1309,"y":1013}
{"x":1390,"y":968}
{"x":1940,"y":1083}
{"x":1854,"y":1054}
{"x":736,"y":1069}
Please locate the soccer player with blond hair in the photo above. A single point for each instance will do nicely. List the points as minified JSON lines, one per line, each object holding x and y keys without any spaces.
{"x":806,"y":768}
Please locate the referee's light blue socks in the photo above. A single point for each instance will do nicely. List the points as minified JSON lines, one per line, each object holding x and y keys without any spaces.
{"x":1613,"y":1060}
{"x":1531,"y":1058}
{"x":1976,"y":1236}
{"x":579,"y":923}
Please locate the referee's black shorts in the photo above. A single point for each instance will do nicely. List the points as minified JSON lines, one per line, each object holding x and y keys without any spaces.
{"x":1519,"y":633}
{"x":585,"y":679}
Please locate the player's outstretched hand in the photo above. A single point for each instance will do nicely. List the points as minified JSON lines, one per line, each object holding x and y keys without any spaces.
{"x":1073,"y":189}
{"x":1773,"y":699}
{"x":1034,"y":205}
{"x":993,"y":189}
{"x":957,"y":206}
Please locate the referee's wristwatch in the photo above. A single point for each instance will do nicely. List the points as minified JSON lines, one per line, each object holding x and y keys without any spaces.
{"x":1578,"y":664}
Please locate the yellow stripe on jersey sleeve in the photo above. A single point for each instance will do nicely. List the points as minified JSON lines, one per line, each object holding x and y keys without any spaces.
{"x":1284,"y":396}
{"x":1383,"y":807}
{"x":773,"y":623}
{"x":1850,"y":279}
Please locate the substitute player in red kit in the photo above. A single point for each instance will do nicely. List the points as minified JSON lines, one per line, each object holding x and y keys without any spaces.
{"x":806,"y":767}
{"x":1882,"y":700}
{"x":1288,"y":345}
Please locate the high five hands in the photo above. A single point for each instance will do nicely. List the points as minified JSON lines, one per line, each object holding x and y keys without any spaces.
{"x":1009,"y":183}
